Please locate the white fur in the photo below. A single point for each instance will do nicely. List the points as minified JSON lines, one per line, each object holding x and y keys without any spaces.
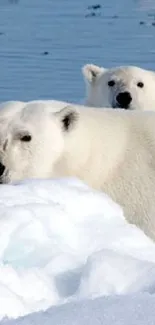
{"x":10,"y":109}
{"x":111,"y":150}
{"x":99,"y":94}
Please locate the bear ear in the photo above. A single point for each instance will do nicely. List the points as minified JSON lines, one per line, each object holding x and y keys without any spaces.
{"x":67,"y":116}
{"x":91,"y":72}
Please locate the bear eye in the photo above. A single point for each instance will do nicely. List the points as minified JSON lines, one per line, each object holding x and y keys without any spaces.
{"x":111,"y":83}
{"x":26,"y":138}
{"x":140,"y":84}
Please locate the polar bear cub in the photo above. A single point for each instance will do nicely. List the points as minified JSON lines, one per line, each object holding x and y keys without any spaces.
{"x":125,"y":87}
{"x":110,"y":150}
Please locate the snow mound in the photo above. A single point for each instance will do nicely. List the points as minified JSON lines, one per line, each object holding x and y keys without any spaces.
{"x":61,"y":241}
{"x":118,"y":310}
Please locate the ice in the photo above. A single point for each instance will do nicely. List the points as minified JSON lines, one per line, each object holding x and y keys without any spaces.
{"x":63,"y":243}
{"x":114,"y":310}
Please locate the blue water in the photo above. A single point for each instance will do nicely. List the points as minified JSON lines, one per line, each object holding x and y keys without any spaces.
{"x":71,"y":35}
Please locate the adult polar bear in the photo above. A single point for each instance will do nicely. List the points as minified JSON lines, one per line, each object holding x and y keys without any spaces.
{"x":10,"y":110}
{"x":126,"y":87}
{"x":112,"y":151}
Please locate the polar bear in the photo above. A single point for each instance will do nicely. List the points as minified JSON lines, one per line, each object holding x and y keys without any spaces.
{"x":10,"y":109}
{"x":110,"y":150}
{"x":125,"y":87}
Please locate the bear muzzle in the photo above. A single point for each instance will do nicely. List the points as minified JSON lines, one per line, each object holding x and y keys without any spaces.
{"x":123,"y":100}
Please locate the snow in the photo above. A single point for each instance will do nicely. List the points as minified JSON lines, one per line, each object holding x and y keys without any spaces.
{"x":66,"y":246}
{"x":136,"y":310}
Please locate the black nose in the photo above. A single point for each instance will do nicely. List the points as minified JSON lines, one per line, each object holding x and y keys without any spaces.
{"x":2,"y":168}
{"x":124,"y":99}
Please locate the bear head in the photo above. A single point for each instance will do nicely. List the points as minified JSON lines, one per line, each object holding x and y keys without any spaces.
{"x":125,"y":87}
